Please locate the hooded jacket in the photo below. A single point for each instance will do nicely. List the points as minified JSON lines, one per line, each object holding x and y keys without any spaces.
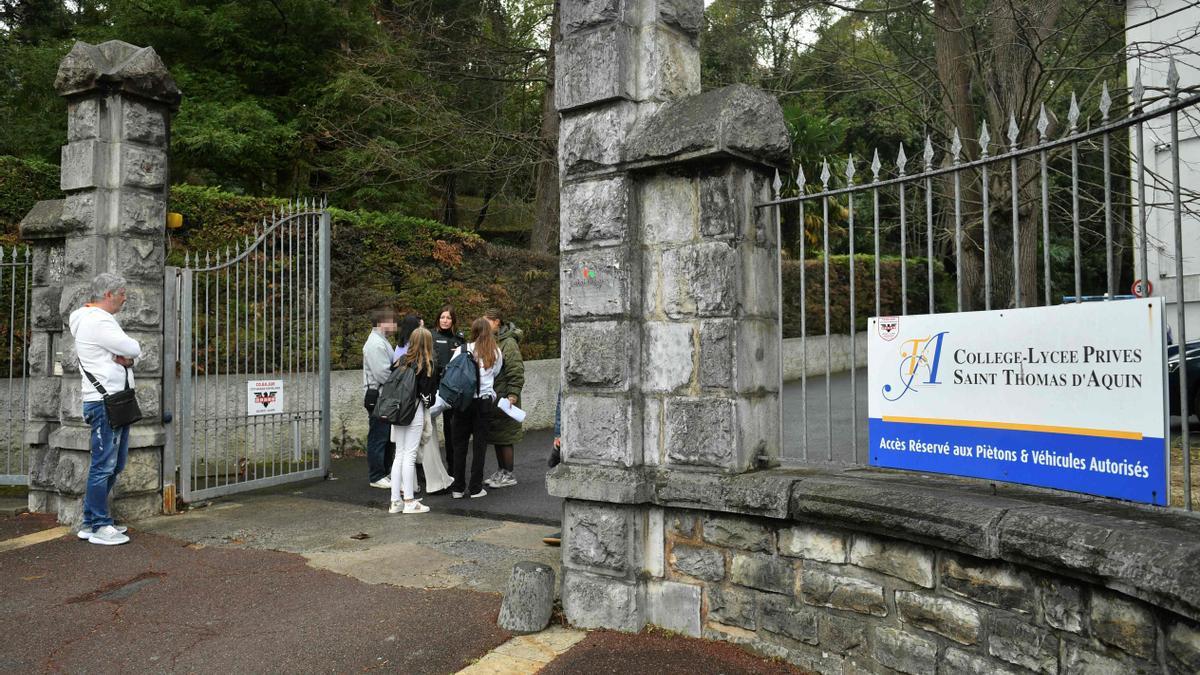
{"x":98,"y":337}
{"x":510,"y":381}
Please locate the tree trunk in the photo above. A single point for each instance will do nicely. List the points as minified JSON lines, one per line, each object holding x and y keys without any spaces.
{"x":544,"y":236}
{"x":450,"y":201}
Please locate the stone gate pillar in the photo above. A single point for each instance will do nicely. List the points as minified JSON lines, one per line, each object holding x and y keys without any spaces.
{"x":670,"y":343}
{"x":114,"y":172}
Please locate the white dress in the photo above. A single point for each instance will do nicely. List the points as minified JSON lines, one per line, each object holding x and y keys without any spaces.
{"x":430,"y":457}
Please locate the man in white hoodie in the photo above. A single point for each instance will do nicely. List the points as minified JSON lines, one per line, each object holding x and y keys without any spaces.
{"x":107,"y":353}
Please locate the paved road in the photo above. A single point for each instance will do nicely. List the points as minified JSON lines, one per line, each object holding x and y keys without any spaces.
{"x":525,"y":502}
{"x":528,"y":501}
{"x":824,"y":439}
{"x":280,"y":583}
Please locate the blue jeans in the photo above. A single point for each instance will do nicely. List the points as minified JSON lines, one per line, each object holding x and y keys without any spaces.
{"x":380,"y":451}
{"x":110,"y":450}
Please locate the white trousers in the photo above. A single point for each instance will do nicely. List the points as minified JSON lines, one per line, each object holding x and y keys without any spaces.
{"x":404,"y":466}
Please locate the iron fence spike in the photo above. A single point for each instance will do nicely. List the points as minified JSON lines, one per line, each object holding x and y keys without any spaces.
{"x":800,"y":177}
{"x":875,"y":166}
{"x":1043,"y":123}
{"x":901,"y":160}
{"x":1138,"y":91}
{"x":187,"y":259}
{"x":824,"y":173}
{"x":1013,"y":132}
{"x":850,"y":169}
{"x":955,"y":146}
{"x":777,"y":184}
{"x":984,"y":139}
{"x":1073,"y":113}
{"x":1172,"y":77}
{"x":928,"y":153}
{"x":1105,"y":102}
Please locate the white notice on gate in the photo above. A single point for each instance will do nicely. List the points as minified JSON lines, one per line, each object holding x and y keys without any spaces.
{"x":264,"y":397}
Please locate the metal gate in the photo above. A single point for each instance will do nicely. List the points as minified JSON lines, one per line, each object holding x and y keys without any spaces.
{"x":15,"y":270}
{"x":250,"y":342}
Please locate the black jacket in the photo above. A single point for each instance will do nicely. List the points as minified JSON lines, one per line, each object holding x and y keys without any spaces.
{"x":444,"y":344}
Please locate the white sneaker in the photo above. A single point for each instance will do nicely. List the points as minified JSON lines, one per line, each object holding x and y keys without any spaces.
{"x":396,"y":507}
{"x":491,"y":480}
{"x":108,"y":536}
{"x":506,"y":480}
{"x":456,"y":495}
{"x":384,"y":483}
{"x":415,"y":507}
{"x":481,"y":493}
{"x":86,"y":534}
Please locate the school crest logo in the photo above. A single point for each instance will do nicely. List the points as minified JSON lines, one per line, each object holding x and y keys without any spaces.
{"x":889,"y":327}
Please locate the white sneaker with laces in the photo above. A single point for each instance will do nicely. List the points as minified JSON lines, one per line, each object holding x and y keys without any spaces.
{"x":481,"y":493}
{"x":491,"y":480}
{"x":396,"y":507}
{"x":384,"y":483}
{"x":415,"y":507}
{"x":108,"y":536}
{"x":456,"y":495}
{"x":507,"y":480}
{"x":86,"y":533}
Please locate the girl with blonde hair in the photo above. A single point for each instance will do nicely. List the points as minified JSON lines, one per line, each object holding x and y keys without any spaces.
{"x":408,"y":439}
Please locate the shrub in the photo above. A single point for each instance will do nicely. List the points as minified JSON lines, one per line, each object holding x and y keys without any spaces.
{"x":377,"y":259}
{"x":23,"y":183}
{"x":864,"y":292}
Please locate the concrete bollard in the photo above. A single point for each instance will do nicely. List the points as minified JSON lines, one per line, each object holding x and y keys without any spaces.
{"x":529,"y":599}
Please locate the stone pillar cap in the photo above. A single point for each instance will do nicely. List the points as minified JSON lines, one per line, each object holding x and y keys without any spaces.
{"x":117,"y":66}
{"x":737,"y":121}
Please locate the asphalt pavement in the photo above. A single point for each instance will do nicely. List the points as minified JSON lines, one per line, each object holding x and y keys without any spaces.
{"x":528,"y":501}
{"x":828,"y":438}
{"x":525,"y":502}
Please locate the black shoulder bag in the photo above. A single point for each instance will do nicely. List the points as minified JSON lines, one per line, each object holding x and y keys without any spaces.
{"x":122,"y":407}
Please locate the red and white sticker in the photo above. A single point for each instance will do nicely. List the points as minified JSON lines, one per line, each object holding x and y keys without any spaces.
{"x":889,"y":327}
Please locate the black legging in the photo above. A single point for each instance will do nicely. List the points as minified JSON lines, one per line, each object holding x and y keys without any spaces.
{"x":448,"y":432}
{"x":473,"y":422}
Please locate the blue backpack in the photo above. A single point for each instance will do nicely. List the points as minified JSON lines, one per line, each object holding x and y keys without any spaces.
{"x":460,"y":381}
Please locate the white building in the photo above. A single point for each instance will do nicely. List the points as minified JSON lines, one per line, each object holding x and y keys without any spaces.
{"x":1155,"y":31}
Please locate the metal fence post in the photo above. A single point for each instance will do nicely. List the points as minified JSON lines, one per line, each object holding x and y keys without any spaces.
{"x":184,"y":413}
{"x":169,"y":362}
{"x":324,"y":337}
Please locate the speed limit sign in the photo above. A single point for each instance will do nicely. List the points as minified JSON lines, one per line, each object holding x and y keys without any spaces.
{"x":1141,"y":292}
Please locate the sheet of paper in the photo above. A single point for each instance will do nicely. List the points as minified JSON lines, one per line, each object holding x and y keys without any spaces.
{"x":511,"y":410}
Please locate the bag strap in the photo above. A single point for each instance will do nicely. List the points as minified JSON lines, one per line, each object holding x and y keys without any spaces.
{"x":99,"y":389}
{"x":96,"y":384}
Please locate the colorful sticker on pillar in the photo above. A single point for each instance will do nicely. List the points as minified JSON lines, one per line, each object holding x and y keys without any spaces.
{"x":1067,"y":397}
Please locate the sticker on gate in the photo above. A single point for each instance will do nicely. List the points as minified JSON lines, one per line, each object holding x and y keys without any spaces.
{"x":264,"y":397}
{"x":889,"y":327}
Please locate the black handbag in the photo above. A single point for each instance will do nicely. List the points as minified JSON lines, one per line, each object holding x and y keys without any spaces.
{"x":370,"y":398}
{"x":121,"y":407}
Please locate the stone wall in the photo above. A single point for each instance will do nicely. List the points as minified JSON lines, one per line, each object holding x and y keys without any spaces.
{"x":862,"y":571}
{"x":114,"y":174}
{"x":834,"y":600}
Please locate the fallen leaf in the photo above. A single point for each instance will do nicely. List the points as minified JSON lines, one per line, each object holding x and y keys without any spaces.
{"x":33,"y":578}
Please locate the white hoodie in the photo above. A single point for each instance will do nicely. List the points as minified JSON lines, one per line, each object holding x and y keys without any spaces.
{"x":98,"y":337}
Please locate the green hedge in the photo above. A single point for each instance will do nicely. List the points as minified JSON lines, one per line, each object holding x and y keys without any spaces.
{"x":380,"y":259}
{"x":23,"y":182}
{"x":864,"y":292}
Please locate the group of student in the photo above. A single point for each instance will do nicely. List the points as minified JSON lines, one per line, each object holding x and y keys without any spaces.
{"x":395,"y":450}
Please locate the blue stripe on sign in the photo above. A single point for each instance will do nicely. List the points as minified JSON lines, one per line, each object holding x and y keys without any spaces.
{"x":1109,"y":467}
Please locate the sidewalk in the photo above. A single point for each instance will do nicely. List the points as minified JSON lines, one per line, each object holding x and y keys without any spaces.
{"x":278,"y":583}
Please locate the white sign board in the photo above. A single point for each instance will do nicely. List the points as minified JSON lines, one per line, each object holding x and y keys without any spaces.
{"x":1069,"y":397}
{"x":264,"y":397}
